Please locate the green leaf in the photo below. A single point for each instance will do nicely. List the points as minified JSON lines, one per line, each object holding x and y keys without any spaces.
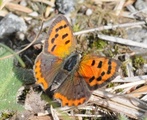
{"x":9,"y":83}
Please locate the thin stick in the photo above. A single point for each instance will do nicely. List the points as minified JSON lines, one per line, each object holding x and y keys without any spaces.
{"x":110,"y":27}
{"x":122,"y":41}
{"x":127,"y":85}
{"x":130,"y":79}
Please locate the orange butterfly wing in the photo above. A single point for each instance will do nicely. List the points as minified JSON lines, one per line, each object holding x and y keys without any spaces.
{"x":97,"y":71}
{"x":61,"y":41}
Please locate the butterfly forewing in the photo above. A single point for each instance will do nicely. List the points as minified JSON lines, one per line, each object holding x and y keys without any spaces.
{"x":45,"y":69}
{"x":61,"y":41}
{"x":97,"y":71}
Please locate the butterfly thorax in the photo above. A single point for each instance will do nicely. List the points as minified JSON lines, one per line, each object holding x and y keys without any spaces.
{"x":71,"y":62}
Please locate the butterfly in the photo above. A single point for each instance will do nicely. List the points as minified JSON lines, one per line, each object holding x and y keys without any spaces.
{"x":71,"y":76}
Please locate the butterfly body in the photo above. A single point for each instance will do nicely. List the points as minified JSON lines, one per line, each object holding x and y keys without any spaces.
{"x":69,"y":66}
{"x":71,"y":76}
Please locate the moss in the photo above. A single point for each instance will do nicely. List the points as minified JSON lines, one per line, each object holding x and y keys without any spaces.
{"x":138,"y":61}
{"x":99,"y":44}
{"x":76,"y":28}
{"x":119,"y":90}
{"x":6,"y":115}
{"x":110,"y":85}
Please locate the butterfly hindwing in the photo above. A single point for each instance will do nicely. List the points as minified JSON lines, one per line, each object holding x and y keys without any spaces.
{"x":97,"y":71}
{"x":61,"y":41}
{"x":73,"y":92}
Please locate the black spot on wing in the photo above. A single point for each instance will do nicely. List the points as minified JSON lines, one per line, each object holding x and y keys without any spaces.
{"x":65,"y":26}
{"x":93,"y":63}
{"x":91,"y":79}
{"x":53,"y":48}
{"x":109,"y":67}
{"x":65,"y":35}
{"x":57,"y":29}
{"x":52,"y":40}
{"x":61,"y":27}
{"x":99,"y":78}
{"x":68,"y":41}
{"x":99,"y":64}
{"x":103,"y":73}
{"x":66,"y":104}
{"x":56,"y":35}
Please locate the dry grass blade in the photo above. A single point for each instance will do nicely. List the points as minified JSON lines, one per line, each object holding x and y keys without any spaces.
{"x":54,"y":114}
{"x":127,"y":85}
{"x":119,"y":7}
{"x":122,"y":41}
{"x":129,"y":2}
{"x":17,"y":7}
{"x":130,"y":79}
{"x":50,"y":3}
{"x":132,"y":107}
{"x":137,"y":93}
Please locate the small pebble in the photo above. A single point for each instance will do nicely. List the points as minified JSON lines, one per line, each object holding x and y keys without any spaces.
{"x":11,"y":24}
{"x":20,"y":35}
{"x":141,"y":4}
{"x":34,"y":14}
{"x":65,"y":6}
{"x":88,"y":12}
